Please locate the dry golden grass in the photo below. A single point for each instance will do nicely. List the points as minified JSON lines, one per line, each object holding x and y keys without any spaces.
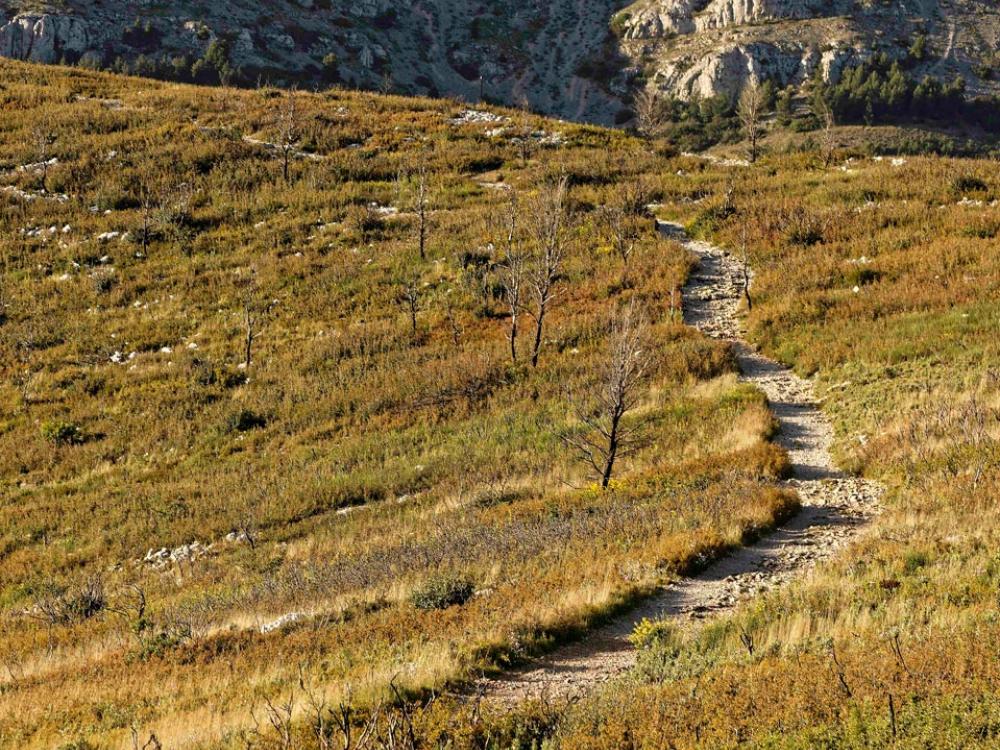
{"x":365,"y":460}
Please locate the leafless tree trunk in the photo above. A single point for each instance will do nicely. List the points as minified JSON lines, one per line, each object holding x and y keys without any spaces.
{"x":648,"y":113}
{"x":512,"y":271}
{"x":623,"y":233}
{"x":422,"y":202}
{"x":254,"y":313}
{"x":550,"y":221}
{"x":525,"y":132}
{"x":619,"y":390}
{"x":411,"y":296}
{"x":824,"y":114}
{"x":745,"y":264}
{"x":42,"y":140}
{"x":250,"y":321}
{"x":148,"y":204}
{"x":289,"y":128}
{"x":750,"y":110}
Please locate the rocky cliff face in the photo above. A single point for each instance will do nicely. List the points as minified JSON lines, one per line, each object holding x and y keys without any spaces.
{"x":44,"y":38}
{"x":710,"y":47}
{"x":578,"y":59}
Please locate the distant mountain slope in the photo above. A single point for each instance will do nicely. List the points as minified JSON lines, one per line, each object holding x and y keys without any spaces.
{"x":708,"y":47}
{"x":572,"y":58}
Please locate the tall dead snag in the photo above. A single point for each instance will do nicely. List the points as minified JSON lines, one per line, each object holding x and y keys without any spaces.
{"x":745,"y":264}
{"x":618,"y":391}
{"x":42,"y":139}
{"x":253,"y":315}
{"x":549,"y":229}
{"x":422,"y":202}
{"x":512,"y":268}
{"x":288,"y":124}
{"x":824,"y":114}
{"x":409,"y":295}
{"x":649,"y":114}
{"x":750,"y":110}
{"x":525,"y":132}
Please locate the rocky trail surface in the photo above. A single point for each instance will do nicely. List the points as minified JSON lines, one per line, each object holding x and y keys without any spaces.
{"x":834,"y":506}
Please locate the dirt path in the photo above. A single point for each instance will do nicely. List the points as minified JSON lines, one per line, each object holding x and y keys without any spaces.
{"x":834,"y":506}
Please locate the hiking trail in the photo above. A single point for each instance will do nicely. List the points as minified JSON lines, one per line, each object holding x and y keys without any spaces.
{"x":834,"y":506}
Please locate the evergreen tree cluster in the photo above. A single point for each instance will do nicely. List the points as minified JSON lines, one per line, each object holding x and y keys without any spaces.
{"x":882,"y":91}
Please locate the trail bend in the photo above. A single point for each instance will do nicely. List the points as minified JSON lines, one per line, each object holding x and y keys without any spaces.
{"x":835,"y":506}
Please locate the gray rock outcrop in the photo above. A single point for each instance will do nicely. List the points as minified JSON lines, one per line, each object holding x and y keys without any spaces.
{"x":44,"y":38}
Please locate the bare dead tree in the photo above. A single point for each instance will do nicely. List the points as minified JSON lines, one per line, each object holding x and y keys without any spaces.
{"x":513,"y":274}
{"x":453,"y":324}
{"x":824,"y":113}
{"x":288,"y":125}
{"x":550,"y":221}
{"x":512,"y":269}
{"x":410,"y":296}
{"x":649,"y":115}
{"x":619,"y":388}
{"x":422,"y":204}
{"x":745,"y":264}
{"x":319,"y":712}
{"x":525,"y":132}
{"x":42,"y":140}
{"x":279,"y":715}
{"x":149,"y":200}
{"x":153,"y":743}
{"x":254,"y":314}
{"x":622,"y":231}
{"x":750,"y":109}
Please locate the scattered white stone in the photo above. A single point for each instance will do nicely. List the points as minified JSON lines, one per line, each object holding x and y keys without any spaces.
{"x":39,"y":166}
{"x":163,"y":557}
{"x":473,"y":116}
{"x":286,"y":619}
{"x":29,"y":196}
{"x":383,"y":210}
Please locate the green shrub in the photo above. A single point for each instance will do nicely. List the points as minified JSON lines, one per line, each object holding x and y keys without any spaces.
{"x":62,"y":433}
{"x":649,"y":633}
{"x":245,"y":420}
{"x":441,"y":592}
{"x":968,"y":184}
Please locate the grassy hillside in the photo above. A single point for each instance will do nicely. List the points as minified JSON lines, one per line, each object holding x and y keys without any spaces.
{"x":881,"y":278}
{"x":379,"y":499}
{"x":389,"y":498}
